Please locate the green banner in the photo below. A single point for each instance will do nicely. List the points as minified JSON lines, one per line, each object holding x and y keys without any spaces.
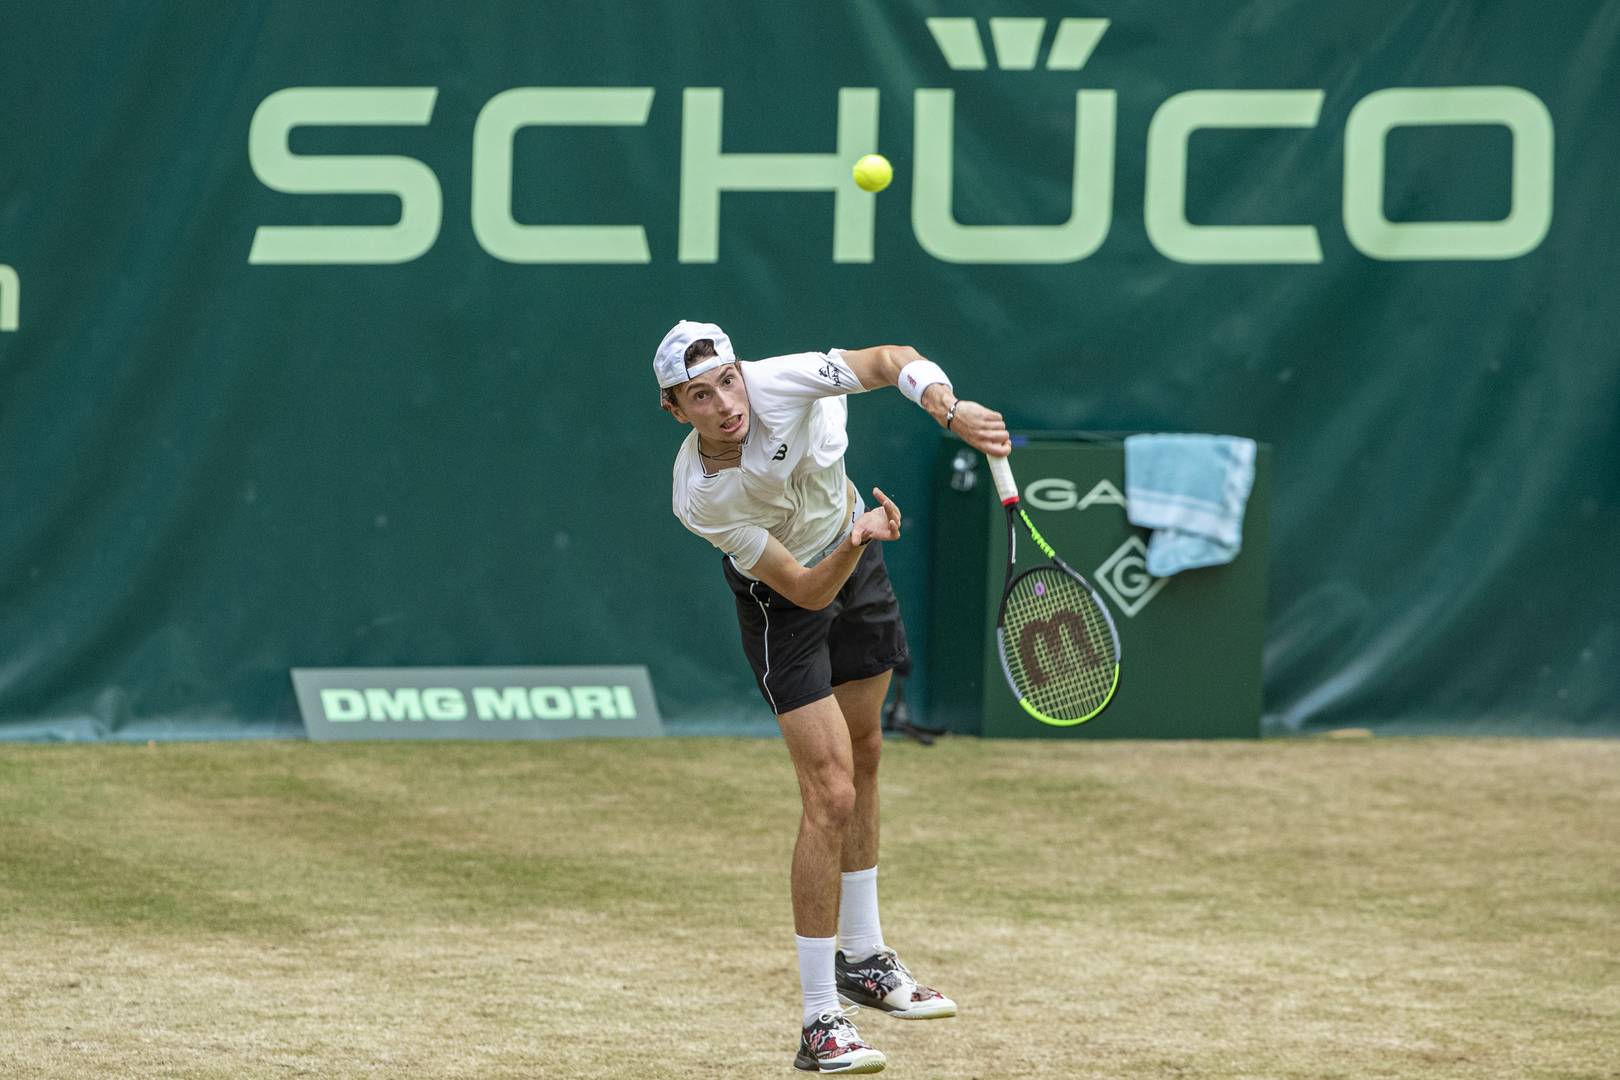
{"x":355,"y":704}
{"x":325,"y":329}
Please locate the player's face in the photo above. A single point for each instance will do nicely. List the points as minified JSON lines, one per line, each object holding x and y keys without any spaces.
{"x":716,"y":404}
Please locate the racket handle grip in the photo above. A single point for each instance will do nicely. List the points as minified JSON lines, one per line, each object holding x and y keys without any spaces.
{"x":1001,"y":472}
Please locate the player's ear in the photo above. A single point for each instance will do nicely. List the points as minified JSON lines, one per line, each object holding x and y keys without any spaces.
{"x":673,"y":408}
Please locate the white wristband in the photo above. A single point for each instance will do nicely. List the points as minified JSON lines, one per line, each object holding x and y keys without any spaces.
{"x":918,"y":376}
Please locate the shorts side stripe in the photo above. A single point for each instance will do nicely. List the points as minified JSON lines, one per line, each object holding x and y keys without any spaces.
{"x":765,"y":679}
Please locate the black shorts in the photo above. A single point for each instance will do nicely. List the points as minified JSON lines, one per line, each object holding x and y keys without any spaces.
{"x":799,"y":655}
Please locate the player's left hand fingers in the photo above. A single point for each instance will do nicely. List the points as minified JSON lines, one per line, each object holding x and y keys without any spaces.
{"x":888,"y":505}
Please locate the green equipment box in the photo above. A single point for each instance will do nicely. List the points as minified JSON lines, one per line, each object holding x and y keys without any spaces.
{"x":1189,"y":644}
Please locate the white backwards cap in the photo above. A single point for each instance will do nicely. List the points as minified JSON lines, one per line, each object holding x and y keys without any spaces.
{"x":669,"y":362}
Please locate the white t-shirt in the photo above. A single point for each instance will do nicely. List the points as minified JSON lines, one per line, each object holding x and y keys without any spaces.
{"x":790,"y":483}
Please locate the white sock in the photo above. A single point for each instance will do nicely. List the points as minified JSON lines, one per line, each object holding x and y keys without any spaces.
{"x":816,"y":975}
{"x":860,"y":934}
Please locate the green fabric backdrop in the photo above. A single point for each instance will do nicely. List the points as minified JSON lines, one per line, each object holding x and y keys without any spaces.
{"x":218,"y":468}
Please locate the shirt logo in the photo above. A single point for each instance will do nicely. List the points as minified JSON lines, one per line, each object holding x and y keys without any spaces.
{"x":781,"y":452}
{"x":830,"y":373}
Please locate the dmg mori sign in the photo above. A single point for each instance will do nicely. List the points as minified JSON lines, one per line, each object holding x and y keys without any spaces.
{"x":475,"y":703}
{"x":708,"y":169}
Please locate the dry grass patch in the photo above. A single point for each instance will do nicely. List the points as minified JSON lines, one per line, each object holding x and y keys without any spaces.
{"x":1403,"y":909}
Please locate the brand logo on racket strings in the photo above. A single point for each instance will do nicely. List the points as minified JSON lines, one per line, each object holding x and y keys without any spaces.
{"x":708,"y":169}
{"x":1065,"y":643}
{"x":1124,"y":577}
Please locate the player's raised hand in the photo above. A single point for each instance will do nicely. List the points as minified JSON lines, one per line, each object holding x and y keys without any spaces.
{"x":882,"y":522}
{"x":981,"y":428}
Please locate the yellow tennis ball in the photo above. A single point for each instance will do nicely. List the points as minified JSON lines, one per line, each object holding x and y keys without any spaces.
{"x":873,"y":172}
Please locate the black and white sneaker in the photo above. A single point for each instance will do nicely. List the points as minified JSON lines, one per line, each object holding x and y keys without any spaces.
{"x":832,"y":1045}
{"x":882,"y":982}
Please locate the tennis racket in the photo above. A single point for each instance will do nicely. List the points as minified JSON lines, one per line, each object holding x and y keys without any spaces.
{"x":1059,"y":649}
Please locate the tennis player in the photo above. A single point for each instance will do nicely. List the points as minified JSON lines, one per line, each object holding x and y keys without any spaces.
{"x":761,"y":477}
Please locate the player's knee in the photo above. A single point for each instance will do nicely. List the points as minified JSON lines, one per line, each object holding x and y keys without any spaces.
{"x":867,"y":749}
{"x":830,"y":799}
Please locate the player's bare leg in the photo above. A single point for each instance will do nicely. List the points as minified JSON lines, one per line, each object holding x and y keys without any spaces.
{"x":870,"y":973}
{"x":819,"y":743}
{"x":861,"y":702}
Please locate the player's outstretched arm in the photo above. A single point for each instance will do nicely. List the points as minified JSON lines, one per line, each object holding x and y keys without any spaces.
{"x":813,"y":587}
{"x":886,"y":365}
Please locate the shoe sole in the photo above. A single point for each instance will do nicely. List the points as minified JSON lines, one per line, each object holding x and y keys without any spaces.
{"x":935,"y":1012}
{"x":872,"y":1062}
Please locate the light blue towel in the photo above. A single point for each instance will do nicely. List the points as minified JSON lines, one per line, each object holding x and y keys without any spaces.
{"x":1191,"y":491}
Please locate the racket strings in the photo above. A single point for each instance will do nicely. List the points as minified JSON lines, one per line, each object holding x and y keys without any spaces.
{"x":1057,"y":644}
